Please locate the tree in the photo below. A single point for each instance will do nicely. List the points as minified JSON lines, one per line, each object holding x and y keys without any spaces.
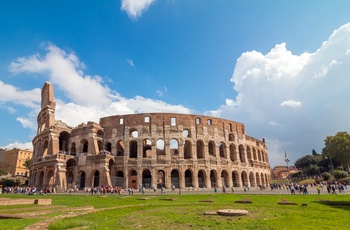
{"x":326,"y":176}
{"x":309,"y":164}
{"x":339,"y":174}
{"x":337,"y":148}
{"x":27,"y":163}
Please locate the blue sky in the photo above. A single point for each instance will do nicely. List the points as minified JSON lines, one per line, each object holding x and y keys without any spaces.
{"x":280,"y":67}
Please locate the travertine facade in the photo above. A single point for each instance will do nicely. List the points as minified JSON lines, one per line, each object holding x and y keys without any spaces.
{"x":150,"y":149}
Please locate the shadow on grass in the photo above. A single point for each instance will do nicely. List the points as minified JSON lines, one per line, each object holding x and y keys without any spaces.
{"x":335,"y":204}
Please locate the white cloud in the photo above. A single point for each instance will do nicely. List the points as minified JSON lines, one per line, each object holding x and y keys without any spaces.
{"x":131,"y":62}
{"x":291,"y":103}
{"x":89,"y":98}
{"x":27,"y":145}
{"x":134,"y":8}
{"x":318,"y":81}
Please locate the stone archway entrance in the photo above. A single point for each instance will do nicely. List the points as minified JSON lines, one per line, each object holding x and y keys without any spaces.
{"x":160,"y":179}
{"x":147,"y":179}
{"x":82,"y":180}
{"x":175,"y":180}
{"x":96,"y":179}
{"x":201,"y":179}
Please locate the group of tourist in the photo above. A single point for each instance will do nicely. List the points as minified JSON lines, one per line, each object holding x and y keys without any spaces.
{"x":26,"y":190}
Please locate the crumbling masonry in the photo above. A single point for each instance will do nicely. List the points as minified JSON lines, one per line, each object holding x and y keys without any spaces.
{"x":150,"y":149}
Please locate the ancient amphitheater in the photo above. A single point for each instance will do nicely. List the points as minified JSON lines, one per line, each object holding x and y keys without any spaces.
{"x":150,"y":149}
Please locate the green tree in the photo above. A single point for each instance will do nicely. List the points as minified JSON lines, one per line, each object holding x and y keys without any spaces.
{"x":337,"y":148}
{"x":27,"y":163}
{"x":309,"y":164}
{"x":339,"y":174}
{"x":326,"y":176}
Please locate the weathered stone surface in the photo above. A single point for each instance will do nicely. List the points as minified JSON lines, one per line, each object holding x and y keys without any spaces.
{"x":232,"y":212}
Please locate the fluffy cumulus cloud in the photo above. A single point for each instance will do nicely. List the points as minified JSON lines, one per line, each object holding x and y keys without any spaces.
{"x":293,"y":100}
{"x":134,"y":8}
{"x":88,"y":97}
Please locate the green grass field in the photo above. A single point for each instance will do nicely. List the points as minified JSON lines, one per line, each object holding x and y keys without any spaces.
{"x":183,"y":212}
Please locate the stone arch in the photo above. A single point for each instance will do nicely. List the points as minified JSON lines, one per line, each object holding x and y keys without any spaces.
{"x":252,"y":179}
{"x":254,"y":154}
{"x":147,"y":178}
{"x":186,"y":133}
{"x":266,"y":180}
{"x":160,"y":179}
{"x":108,"y":147}
{"x":188,"y":178}
{"x":133,"y":149}
{"x":41,"y":179}
{"x":100,"y":133}
{"x":187,"y":149}
{"x":201,"y":179}
{"x":134,"y":133}
{"x":262,"y":179}
{"x":222,"y":150}
{"x":45,"y":148}
{"x":235,"y":179}
{"x":212,"y":148}
{"x":259,"y":155}
{"x":111,"y":167}
{"x":84,"y":146}
{"x":82,"y":179}
{"x":249,"y":154}
{"x":258,"y":182}
{"x":241,"y":153}
{"x":120,"y":148}
{"x":70,"y":168}
{"x":244,"y":178}
{"x":224,"y":178}
{"x":50,"y":178}
{"x":231,"y":137}
{"x":175,"y":179}
{"x":119,"y":179}
{"x":147,"y":148}
{"x":64,"y":141}
{"x":200,"y":149}
{"x":73,"y":148}
{"x":174,"y":147}
{"x":160,"y":147}
{"x":233,"y":152}
{"x":100,"y":146}
{"x":96,"y":178}
{"x":213,"y":178}
{"x":133,"y":179}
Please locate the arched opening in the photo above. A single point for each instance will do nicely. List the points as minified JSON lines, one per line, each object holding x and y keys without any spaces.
{"x":233,"y":152}
{"x":100,"y":146}
{"x":133,"y":149}
{"x":160,"y":179}
{"x":213,"y":178}
{"x":134,"y":133}
{"x":111,"y":167}
{"x":187,"y":150}
{"x":133,"y":179}
{"x":211,"y":148}
{"x":70,"y":166}
{"x":201,"y":179}
{"x":64,"y":141}
{"x":259,"y":155}
{"x":224,"y":178}
{"x":96,"y":179}
{"x":222,"y":149}
{"x":84,"y":146}
{"x":119,"y":179}
{"x":100,"y":133}
{"x":241,"y":153}
{"x":41,"y":179}
{"x":254,"y":154}
{"x":160,"y":147}
{"x":174,"y":147}
{"x":251,"y":179}
{"x":175,"y":178}
{"x":235,"y":179}
{"x":186,"y":133}
{"x":262,"y":179}
{"x":231,"y":137}
{"x":108,"y":147}
{"x":147,"y":148}
{"x":73,"y":149}
{"x":50,"y":179}
{"x":200,"y":149}
{"x":82,"y":180}
{"x":45,"y":148}
{"x":147,"y":179}
{"x":244,"y":178}
{"x":120,"y":148}
{"x":69,"y":176}
{"x":258,"y":182}
{"x":188,"y":178}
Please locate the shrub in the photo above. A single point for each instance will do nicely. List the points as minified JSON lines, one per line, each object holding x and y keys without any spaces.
{"x":326,"y":176}
{"x":339,"y":174}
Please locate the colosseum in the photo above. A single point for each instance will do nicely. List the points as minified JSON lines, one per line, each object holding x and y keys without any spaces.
{"x":149,"y":149}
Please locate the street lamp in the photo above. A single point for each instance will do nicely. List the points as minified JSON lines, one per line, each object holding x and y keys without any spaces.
{"x":286,"y":159}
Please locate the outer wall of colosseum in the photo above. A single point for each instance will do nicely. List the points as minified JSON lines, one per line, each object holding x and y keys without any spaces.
{"x":150,"y":149}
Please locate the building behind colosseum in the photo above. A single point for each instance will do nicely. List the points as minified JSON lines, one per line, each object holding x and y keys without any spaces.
{"x":149,"y":149}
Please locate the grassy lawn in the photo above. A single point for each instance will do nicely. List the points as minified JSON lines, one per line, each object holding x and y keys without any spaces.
{"x":187,"y":212}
